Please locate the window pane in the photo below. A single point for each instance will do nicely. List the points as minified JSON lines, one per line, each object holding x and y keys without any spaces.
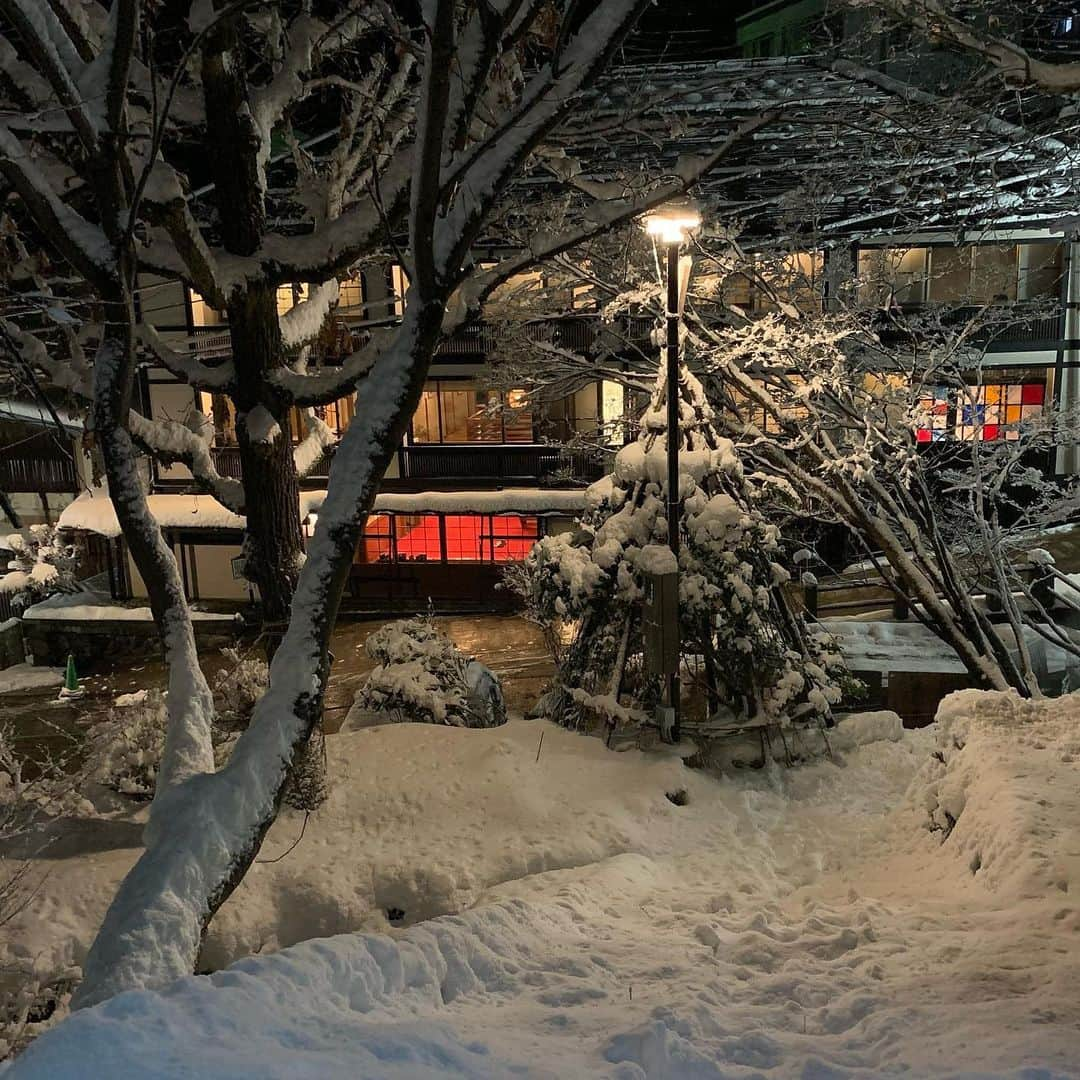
{"x":517,"y":418}
{"x":462,"y":537}
{"x":993,"y":279}
{"x":458,"y":404}
{"x":1040,"y":269}
{"x":351,"y":292}
{"x":375,"y":545}
{"x":950,"y":274}
{"x":511,"y":538}
{"x":418,"y":538}
{"x":425,"y":423}
{"x":485,"y":419}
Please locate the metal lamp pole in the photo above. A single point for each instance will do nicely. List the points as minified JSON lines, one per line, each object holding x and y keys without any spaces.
{"x":673,"y":441}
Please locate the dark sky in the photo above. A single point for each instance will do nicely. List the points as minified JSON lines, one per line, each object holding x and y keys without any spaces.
{"x":688,"y":29}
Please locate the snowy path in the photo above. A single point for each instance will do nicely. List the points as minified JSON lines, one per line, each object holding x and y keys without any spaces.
{"x":797,"y":923}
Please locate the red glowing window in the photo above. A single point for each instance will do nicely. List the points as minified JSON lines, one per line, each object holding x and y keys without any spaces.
{"x":376,"y":544}
{"x":419,"y":538}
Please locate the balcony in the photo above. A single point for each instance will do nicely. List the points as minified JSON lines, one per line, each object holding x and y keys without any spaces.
{"x":525,"y":462}
{"x":38,"y":465}
{"x":1015,"y":328}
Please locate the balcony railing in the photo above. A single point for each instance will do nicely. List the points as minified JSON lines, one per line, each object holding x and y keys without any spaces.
{"x":227,"y":462}
{"x":26,"y":468}
{"x":479,"y":461}
{"x":1019,"y":326}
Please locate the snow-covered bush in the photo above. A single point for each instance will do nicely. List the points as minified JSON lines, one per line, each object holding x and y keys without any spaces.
{"x":757,"y":660}
{"x":39,"y":564}
{"x":237,"y":687}
{"x":424,"y":677}
{"x":125,"y":749}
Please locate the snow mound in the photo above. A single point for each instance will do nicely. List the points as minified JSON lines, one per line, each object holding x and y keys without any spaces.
{"x":21,"y":677}
{"x":215,"y":1027}
{"x":860,"y":729}
{"x":1002,"y":792}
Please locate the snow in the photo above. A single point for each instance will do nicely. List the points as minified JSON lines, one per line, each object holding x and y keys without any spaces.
{"x":657,"y":559}
{"x":303,"y":322}
{"x":261,"y":425}
{"x":93,"y":511}
{"x":20,"y":677}
{"x":92,"y":607}
{"x":823,"y":921}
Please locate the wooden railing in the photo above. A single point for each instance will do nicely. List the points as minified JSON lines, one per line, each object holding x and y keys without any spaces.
{"x":480,"y":461}
{"x":38,"y":467}
{"x":227,"y":462}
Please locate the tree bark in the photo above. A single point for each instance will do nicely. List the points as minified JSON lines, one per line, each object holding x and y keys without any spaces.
{"x":154,"y":927}
{"x":274,"y":544}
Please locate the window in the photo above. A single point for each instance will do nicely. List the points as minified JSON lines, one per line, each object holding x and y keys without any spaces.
{"x":202,"y":314}
{"x":986,"y":412}
{"x":399,"y":286}
{"x":449,"y":538}
{"x":419,"y":538}
{"x":376,"y":544}
{"x":337,"y":416}
{"x":892,"y":275}
{"x":457,"y":411}
{"x":934,"y":408}
{"x":508,"y":539}
{"x":462,"y":537}
{"x":219,"y":408}
{"x":1039,"y":270}
{"x":288,"y":296}
{"x":351,"y":291}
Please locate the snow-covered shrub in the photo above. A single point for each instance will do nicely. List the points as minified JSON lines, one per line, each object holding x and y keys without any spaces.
{"x":237,"y":688}
{"x":39,"y":564}
{"x":424,"y":677}
{"x":125,"y":749}
{"x":588,"y":585}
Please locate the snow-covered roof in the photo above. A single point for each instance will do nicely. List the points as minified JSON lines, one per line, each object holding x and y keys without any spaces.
{"x":93,"y":511}
{"x":31,"y":412}
{"x":876,"y":141}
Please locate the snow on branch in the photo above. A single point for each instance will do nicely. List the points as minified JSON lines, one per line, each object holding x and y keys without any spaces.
{"x":1013,"y":61}
{"x":309,"y":451}
{"x":304,"y":321}
{"x":170,"y":441}
{"x":83,"y":244}
{"x":57,"y":61}
{"x":189,"y":368}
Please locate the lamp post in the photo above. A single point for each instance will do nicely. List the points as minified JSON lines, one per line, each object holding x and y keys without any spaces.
{"x":670,"y":226}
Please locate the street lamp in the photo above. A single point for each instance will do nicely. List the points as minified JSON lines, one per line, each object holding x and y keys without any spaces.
{"x":671,"y":225}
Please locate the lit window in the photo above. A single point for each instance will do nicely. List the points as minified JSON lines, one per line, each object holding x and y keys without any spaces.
{"x":376,"y":543}
{"x":351,"y":292}
{"x":508,"y":538}
{"x":288,"y":296}
{"x":418,"y":538}
{"x":202,"y":314}
{"x":986,"y":413}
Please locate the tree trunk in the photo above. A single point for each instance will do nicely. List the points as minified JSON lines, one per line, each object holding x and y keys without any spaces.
{"x":154,"y":927}
{"x":274,"y":544}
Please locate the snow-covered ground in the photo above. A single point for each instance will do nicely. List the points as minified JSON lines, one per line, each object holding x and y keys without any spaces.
{"x":21,"y":677}
{"x":892,"y":913}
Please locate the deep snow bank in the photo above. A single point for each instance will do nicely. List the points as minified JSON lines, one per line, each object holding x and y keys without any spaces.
{"x":420,"y":820}
{"x":1002,"y":793}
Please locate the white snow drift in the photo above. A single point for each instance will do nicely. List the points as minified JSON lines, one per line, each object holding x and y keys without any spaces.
{"x":907,"y":910}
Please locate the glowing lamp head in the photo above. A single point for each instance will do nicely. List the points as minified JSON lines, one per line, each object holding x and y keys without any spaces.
{"x":672,"y":224}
